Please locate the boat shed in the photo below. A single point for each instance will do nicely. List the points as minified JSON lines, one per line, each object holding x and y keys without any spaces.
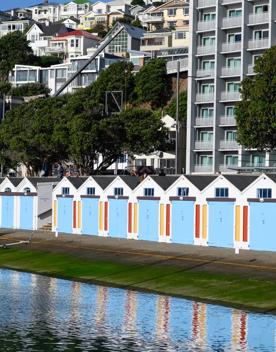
{"x":92,"y":205}
{"x":183,"y":209}
{"x":259,"y":214}
{"x":150,"y":209}
{"x":34,"y":202}
{"x":9,"y":207}
{"x":66,"y":210}
{"x":118,"y":209}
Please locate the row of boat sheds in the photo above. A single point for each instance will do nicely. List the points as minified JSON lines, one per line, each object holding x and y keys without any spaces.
{"x":234,"y":211}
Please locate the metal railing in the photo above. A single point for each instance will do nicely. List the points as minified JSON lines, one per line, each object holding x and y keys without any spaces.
{"x":204,"y":121}
{"x":205,"y":73}
{"x":228,"y":145}
{"x":206,"y":3}
{"x":206,"y":25}
{"x":258,"y":44}
{"x":204,"y":97}
{"x":258,"y":18}
{"x":230,"y":71}
{"x":200,"y":145}
{"x":228,"y":47}
{"x":203,"y":168}
{"x":172,"y":65}
{"x":205,"y":49}
{"x":231,"y":22}
{"x":230,"y":96}
{"x":227,"y":121}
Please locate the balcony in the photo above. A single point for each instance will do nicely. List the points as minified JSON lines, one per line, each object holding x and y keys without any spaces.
{"x":204,"y":121}
{"x":228,"y":145}
{"x":172,"y":65}
{"x":54,"y":49}
{"x":258,"y":44}
{"x":41,"y":43}
{"x":230,"y":71}
{"x":205,"y":73}
{"x":250,"y":70}
{"x":206,"y":25}
{"x":199,"y":145}
{"x":258,"y":18}
{"x":205,"y":97}
{"x":151,"y":19}
{"x":205,"y":49}
{"x":227,"y":168}
{"x":227,"y":121}
{"x":230,"y":96}
{"x":228,"y":2}
{"x":206,"y":3}
{"x":203,"y":168}
{"x":231,"y":22}
{"x":230,"y":47}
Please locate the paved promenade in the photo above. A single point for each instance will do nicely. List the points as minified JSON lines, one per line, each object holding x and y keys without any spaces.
{"x":249,"y":264}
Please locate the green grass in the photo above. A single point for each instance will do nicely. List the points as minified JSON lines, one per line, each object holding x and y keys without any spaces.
{"x":225,"y":289}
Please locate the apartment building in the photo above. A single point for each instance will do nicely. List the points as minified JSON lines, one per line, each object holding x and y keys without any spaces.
{"x":45,"y":11}
{"x":227,"y":37}
{"x":75,"y":8}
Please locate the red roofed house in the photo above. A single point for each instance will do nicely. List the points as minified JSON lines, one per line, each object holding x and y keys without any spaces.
{"x":72,"y":44}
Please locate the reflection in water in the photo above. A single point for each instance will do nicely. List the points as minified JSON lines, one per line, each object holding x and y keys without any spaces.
{"x":46,"y":314}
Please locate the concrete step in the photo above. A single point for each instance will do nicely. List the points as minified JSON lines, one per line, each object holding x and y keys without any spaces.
{"x":47,"y":227}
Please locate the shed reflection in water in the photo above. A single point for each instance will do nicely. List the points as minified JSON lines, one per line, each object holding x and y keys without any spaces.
{"x":40,"y":314}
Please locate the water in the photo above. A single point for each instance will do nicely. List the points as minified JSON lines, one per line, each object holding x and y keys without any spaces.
{"x":46,"y":314}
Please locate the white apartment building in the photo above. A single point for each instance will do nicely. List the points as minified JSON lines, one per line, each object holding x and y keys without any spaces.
{"x":226,"y":37}
{"x":45,"y":11}
{"x":75,"y":8}
{"x":7,"y":27}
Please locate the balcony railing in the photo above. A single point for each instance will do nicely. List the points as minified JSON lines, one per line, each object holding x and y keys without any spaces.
{"x":227,"y":2}
{"x":227,"y":121}
{"x":150,"y":18}
{"x":229,"y":22}
{"x":230,"y":47}
{"x":226,"y":168}
{"x":205,"y":73}
{"x":250,"y":70}
{"x":203,"y":168}
{"x":205,"y":49}
{"x":206,"y":3}
{"x":204,"y":121}
{"x":204,"y":97}
{"x":230,"y":96}
{"x":206,"y":25}
{"x":172,"y":65}
{"x":228,"y":145}
{"x":258,"y":44}
{"x":230,"y":71}
{"x":258,"y":18}
{"x":199,"y":145}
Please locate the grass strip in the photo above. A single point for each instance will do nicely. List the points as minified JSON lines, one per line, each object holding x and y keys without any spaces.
{"x":258,"y":295}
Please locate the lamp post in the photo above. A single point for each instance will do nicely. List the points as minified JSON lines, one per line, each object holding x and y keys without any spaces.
{"x":177,"y":118}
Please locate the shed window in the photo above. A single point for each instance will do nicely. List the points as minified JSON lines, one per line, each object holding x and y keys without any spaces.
{"x":7,"y":189}
{"x":118,"y":191}
{"x":90,"y":191}
{"x":264,"y":193}
{"x":27,"y":190}
{"x":222,"y":192}
{"x":149,"y":192}
{"x":183,"y":191}
{"x":65,"y":191}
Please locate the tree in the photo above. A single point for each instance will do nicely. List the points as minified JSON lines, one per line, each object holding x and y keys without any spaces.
{"x":100,"y":29}
{"x":256,"y":112}
{"x":138,"y":2}
{"x":171,"y":108}
{"x":117,"y":76}
{"x":137,"y":23}
{"x":152,"y":84}
{"x":29,"y":89}
{"x":5,"y":87}
{"x":14,"y":49}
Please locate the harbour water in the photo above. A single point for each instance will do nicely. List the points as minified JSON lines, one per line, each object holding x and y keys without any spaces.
{"x":47,"y":314}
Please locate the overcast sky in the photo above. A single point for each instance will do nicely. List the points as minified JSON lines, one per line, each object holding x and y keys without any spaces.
{"x":9,"y":4}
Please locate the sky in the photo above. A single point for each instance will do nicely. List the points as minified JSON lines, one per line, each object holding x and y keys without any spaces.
{"x":9,"y":4}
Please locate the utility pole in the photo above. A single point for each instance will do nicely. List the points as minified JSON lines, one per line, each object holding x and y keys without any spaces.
{"x":177,"y":171}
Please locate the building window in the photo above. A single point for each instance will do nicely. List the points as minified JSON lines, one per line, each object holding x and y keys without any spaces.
{"x":234,"y":13}
{"x":72,"y":43}
{"x":171,"y":12}
{"x":186,"y":11}
{"x":90,"y":191}
{"x":264,"y":193}
{"x":231,"y":160}
{"x":182,"y":191}
{"x":118,"y":191}
{"x":234,"y":38}
{"x":230,"y":111}
{"x":180,"y":35}
{"x":222,"y":193}
{"x":65,"y":191}
{"x":149,"y":192}
{"x":77,"y":43}
{"x":8,"y":190}
{"x":27,"y":190}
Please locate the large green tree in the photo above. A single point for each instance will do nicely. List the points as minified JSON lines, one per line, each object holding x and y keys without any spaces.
{"x":14,"y":49}
{"x":152,"y":84}
{"x":171,"y":108}
{"x":256,"y":112}
{"x":117,"y":77}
